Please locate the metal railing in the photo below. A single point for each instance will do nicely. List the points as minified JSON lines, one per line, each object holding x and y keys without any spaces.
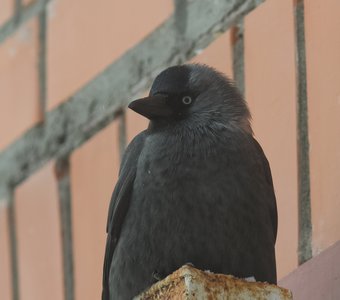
{"x":192,"y":27}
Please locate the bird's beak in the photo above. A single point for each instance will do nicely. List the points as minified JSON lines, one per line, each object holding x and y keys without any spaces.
{"x":152,"y":107}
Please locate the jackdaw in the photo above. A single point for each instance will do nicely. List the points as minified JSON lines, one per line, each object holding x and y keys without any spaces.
{"x":194,"y":187}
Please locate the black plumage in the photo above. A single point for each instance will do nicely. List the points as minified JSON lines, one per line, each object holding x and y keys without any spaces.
{"x":195,"y":187}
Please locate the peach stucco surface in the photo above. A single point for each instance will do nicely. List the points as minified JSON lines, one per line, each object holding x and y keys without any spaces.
{"x":102,"y":32}
{"x":94,"y":168}
{"x":39,"y":237}
{"x":6,"y":11}
{"x":323,"y":78}
{"x":270,"y":92}
{"x":218,"y":55}
{"x":19,"y":108}
{"x":5,"y":267}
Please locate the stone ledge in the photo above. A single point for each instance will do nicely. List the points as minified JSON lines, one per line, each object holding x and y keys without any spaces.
{"x":190,"y":283}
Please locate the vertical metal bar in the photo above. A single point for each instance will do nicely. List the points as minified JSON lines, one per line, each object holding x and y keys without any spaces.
{"x":181,"y":13}
{"x":237,"y":43}
{"x":122,"y":133}
{"x":13,"y":244}
{"x":180,"y":22}
{"x":42,"y":62}
{"x":304,"y":205}
{"x":17,"y":10}
{"x":62,"y":170}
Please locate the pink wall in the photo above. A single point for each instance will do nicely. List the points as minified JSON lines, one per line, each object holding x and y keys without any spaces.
{"x":5,"y":266}
{"x":94,"y":169}
{"x":103,"y":31}
{"x":39,"y":237}
{"x":18,"y":83}
{"x":271,"y":94}
{"x":323,"y":77}
{"x":7,"y":8}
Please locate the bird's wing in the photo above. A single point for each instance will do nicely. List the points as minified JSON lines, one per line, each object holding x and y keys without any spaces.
{"x":271,"y":196}
{"x":119,"y":204}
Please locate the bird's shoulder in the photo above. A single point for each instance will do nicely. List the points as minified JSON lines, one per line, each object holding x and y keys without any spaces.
{"x":126,"y":177}
{"x":244,"y":155}
{"x":119,"y":204}
{"x":132,"y":152}
{"x":264,"y":164}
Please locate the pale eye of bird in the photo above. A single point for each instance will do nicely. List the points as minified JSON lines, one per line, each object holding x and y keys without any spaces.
{"x":186,"y":100}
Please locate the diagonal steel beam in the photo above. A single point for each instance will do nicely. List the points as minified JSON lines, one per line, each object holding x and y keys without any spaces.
{"x":100,"y":101}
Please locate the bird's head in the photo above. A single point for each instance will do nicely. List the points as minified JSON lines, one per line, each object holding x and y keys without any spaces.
{"x":193,"y":94}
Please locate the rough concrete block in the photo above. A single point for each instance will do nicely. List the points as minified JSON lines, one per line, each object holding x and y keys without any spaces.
{"x":190,"y":283}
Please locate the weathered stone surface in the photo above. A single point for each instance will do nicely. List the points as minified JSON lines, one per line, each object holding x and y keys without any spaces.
{"x":190,"y":283}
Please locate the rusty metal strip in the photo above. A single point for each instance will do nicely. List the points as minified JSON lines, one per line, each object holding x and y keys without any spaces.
{"x":17,"y":10}
{"x":13,"y":243}
{"x":122,"y":135}
{"x":304,"y":200}
{"x":237,"y":44}
{"x":42,"y":62}
{"x":62,"y":171}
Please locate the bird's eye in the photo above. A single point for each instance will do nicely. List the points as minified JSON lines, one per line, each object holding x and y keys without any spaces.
{"x":186,"y":100}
